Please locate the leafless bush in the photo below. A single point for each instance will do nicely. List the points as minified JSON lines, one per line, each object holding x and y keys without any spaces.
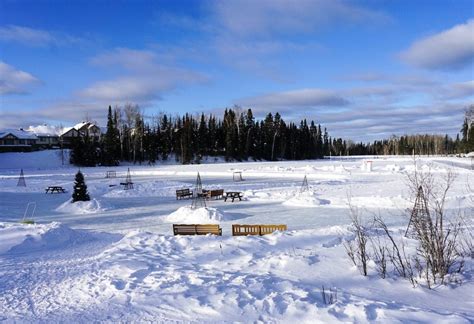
{"x":438,"y":242}
{"x":395,"y":256}
{"x":466,"y":243}
{"x":403,"y":264}
{"x":379,"y":256}
{"x":441,"y":243}
{"x":329,"y":296}
{"x":357,"y":249}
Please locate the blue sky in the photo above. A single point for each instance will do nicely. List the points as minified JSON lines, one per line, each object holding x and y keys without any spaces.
{"x":363,"y":69}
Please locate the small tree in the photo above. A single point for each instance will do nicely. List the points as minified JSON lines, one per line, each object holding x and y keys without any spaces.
{"x":80,"y":189}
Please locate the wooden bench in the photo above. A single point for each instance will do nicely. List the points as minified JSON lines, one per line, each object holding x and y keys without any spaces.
{"x":216,"y":193}
{"x":243,"y":230}
{"x":53,"y":189}
{"x":233,"y":195}
{"x":196,"y":229}
{"x":111,"y":174}
{"x":183,"y":193}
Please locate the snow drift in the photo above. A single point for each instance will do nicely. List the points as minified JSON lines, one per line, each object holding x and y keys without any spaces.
{"x":81,"y":207}
{"x":198,"y":215}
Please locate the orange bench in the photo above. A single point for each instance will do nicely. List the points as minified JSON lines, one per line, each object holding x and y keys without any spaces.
{"x":243,"y":230}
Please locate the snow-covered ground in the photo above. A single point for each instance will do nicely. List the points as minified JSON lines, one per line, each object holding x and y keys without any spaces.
{"x":115,"y":258}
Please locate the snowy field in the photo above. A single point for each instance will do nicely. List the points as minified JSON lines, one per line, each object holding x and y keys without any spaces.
{"x":115,"y":258}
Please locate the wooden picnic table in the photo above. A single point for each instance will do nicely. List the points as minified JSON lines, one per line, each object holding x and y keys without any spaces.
{"x":233,"y":195}
{"x":53,"y":189}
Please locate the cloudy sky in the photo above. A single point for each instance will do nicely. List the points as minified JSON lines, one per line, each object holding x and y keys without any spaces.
{"x":364,"y":69}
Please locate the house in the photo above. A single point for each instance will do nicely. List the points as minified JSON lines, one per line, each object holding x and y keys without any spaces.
{"x":67,"y":135}
{"x":17,"y":140}
{"x":80,"y":130}
{"x":47,"y":135}
{"x":89,"y":129}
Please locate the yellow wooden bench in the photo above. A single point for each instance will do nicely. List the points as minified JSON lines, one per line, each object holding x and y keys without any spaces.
{"x":242,"y":230}
{"x":196,"y":229}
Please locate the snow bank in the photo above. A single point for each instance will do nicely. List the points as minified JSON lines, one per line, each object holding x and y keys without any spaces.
{"x":306,"y":199}
{"x":47,"y":159}
{"x":81,"y":207}
{"x":198,"y":215}
{"x":14,"y":234}
{"x":29,"y":238}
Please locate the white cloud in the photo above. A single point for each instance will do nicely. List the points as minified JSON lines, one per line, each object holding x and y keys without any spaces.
{"x":37,"y":37}
{"x":374,"y":111}
{"x":460,"y":90}
{"x":301,"y":98}
{"x":267,"y":17}
{"x":14,"y":81}
{"x":450,"y":49}
{"x":127,"y":58}
{"x":126,"y":89}
{"x":249,"y":35}
{"x":143,"y":79}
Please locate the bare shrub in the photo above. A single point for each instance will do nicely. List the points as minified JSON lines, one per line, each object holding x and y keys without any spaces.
{"x":466,"y":243}
{"x":356,"y":249}
{"x":403,"y":264}
{"x":438,"y":242}
{"x":380,"y":255}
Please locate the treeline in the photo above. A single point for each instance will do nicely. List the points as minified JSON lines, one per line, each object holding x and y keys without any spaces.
{"x":238,"y":136}
{"x":409,"y":144}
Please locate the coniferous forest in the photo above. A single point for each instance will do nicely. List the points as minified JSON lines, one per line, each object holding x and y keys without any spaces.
{"x":238,"y":136}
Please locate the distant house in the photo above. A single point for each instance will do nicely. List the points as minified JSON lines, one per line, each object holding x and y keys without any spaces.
{"x":17,"y":140}
{"x":88,"y":129}
{"x":67,"y":135}
{"x":80,"y":130}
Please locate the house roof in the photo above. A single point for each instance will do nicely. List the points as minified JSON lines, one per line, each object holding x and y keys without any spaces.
{"x":65,"y":130}
{"x":19,"y":133}
{"x":80,"y":125}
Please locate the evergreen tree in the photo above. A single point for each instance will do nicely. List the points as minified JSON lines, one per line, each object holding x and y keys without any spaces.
{"x":202,"y":136}
{"x":80,"y":189}
{"x":249,"y":134}
{"x":166,"y":135}
{"x":111,"y":142}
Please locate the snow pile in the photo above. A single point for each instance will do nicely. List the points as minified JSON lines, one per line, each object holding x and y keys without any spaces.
{"x":306,"y":199}
{"x":81,"y":207}
{"x":198,"y":215}
{"x":14,"y":234}
{"x":51,"y":236}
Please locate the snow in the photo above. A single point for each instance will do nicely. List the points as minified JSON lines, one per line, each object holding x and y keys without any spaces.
{"x":81,"y":207}
{"x":115,"y":259}
{"x":201,"y":215}
{"x":45,"y":130}
{"x":47,"y":159}
{"x":306,"y":199}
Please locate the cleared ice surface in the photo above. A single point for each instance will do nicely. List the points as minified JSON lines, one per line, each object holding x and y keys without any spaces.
{"x":115,"y":259}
